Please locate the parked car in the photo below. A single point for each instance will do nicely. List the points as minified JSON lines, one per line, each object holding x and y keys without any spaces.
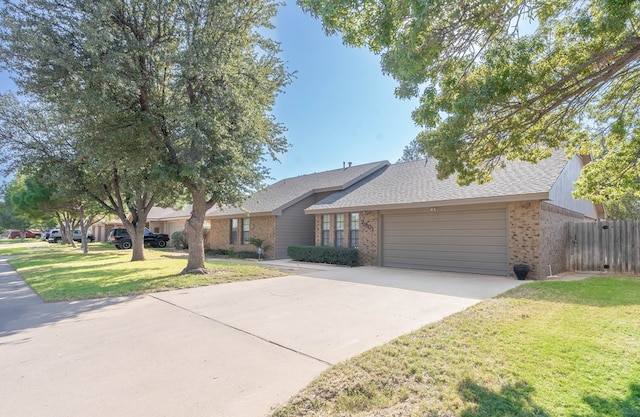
{"x":121,"y":239}
{"x":55,"y":236}
{"x":28,"y":234}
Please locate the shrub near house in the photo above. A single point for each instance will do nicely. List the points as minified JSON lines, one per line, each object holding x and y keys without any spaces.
{"x":324,"y":254}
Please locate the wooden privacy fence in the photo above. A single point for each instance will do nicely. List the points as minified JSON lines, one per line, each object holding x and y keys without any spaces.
{"x":604,"y":246}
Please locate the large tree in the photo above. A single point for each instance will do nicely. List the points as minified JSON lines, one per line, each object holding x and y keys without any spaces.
{"x":511,"y":79}
{"x":414,"y":151}
{"x":172,"y":92}
{"x":79,"y":168}
{"x":29,"y":198}
{"x":9,"y":217}
{"x":43,"y":197}
{"x":219,"y":123}
{"x":624,"y":208}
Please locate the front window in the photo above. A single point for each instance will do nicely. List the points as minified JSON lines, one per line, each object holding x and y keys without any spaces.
{"x":245,"y":231}
{"x":339,"y":241}
{"x":326,"y":222}
{"x":233,"y":237}
{"x":354,"y":230}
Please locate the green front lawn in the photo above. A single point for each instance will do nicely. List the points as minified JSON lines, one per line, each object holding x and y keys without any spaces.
{"x":545,"y":349}
{"x":21,"y":247}
{"x":59,"y":272}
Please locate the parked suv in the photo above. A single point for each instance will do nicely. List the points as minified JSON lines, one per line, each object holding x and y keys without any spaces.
{"x":55,"y":236}
{"x":121,"y":239}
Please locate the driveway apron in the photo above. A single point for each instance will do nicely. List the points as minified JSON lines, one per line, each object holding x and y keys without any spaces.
{"x":228,"y":350}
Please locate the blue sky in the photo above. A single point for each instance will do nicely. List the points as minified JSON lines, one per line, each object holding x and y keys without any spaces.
{"x":339,"y":108}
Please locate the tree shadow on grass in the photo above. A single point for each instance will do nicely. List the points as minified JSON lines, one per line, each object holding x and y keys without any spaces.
{"x":615,"y":407}
{"x":511,"y":401}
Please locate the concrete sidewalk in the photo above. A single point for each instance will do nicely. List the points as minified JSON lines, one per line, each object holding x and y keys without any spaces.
{"x":227,"y":350}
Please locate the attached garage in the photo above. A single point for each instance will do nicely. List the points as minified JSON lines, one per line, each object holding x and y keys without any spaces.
{"x":175,"y":226}
{"x":447,"y":239}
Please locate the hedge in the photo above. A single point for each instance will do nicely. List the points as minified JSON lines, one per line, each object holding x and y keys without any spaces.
{"x":232,"y":253}
{"x":324,"y":254}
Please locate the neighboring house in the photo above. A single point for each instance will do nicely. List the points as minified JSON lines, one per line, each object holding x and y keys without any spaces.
{"x":406,"y":217}
{"x":275,"y":214}
{"x":166,"y":220}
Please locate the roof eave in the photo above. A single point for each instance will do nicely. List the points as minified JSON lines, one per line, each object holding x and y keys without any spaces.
{"x":437,"y":203}
{"x":168,"y":218}
{"x":236,"y":215}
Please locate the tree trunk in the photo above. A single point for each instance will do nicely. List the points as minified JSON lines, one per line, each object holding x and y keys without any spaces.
{"x":195,"y":238}
{"x":136,"y":232}
{"x":84,"y":244}
{"x":67,"y":231}
{"x":84,"y":228}
{"x":136,"y":226}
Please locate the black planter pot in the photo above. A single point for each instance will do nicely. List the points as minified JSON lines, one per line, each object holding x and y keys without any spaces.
{"x":521,"y":271}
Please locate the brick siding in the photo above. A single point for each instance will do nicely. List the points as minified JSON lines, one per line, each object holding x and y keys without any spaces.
{"x":523,"y":223}
{"x":368,"y":247}
{"x":263,"y":227}
{"x":553,"y":231}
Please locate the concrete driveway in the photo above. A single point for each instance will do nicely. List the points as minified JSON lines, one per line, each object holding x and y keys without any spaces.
{"x":229,"y":350}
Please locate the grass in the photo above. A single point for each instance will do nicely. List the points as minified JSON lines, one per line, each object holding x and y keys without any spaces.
{"x":561,"y":349}
{"x":20,"y":247}
{"x":61,"y":273}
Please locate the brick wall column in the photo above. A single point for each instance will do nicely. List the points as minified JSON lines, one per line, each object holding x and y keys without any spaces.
{"x":523,"y":224}
{"x":368,"y":245}
{"x":318,"y":230}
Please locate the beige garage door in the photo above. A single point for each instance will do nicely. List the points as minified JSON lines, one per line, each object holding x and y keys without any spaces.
{"x":473,"y":241}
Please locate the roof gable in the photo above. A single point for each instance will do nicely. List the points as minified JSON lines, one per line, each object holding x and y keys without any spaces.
{"x":416,"y":184}
{"x":277,"y":197}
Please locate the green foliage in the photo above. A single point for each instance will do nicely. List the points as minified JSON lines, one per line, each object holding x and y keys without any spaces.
{"x":561,"y":349}
{"x":9,"y":218}
{"x":85,"y":172}
{"x":256,"y":241}
{"x":625,"y":208}
{"x":324,"y":254}
{"x":33,"y":199}
{"x":414,"y":151}
{"x":259,"y":244}
{"x":244,"y":254}
{"x":231,"y":253}
{"x":214,"y":252}
{"x":510,"y":80}
{"x":166,"y":100}
{"x":179,"y":239}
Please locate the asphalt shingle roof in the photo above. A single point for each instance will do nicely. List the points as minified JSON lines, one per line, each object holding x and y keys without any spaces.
{"x":162,"y":213}
{"x":276,"y":197}
{"x":416,"y":183}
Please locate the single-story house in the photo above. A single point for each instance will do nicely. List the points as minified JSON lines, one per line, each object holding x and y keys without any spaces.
{"x":275,"y":214}
{"x":406,"y":217}
{"x":402,"y":215}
